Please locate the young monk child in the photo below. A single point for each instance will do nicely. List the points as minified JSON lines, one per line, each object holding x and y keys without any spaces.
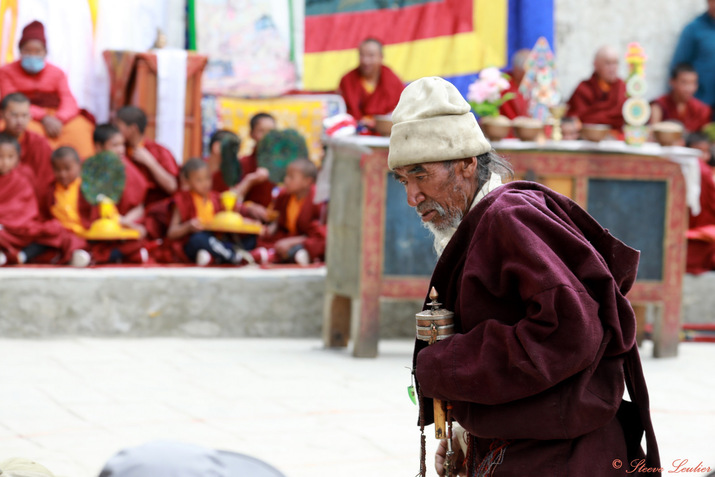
{"x":680,"y":104}
{"x":22,"y":234}
{"x":67,"y":204}
{"x":298,"y":236}
{"x":155,"y":162}
{"x":193,"y":208}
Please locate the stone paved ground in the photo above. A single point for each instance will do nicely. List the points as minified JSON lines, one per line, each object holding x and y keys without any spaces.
{"x":72,"y":403}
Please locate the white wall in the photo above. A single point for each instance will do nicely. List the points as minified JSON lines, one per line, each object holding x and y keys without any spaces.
{"x":582,"y":26}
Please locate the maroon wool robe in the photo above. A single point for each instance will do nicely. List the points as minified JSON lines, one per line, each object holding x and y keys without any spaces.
{"x":381,"y":101}
{"x":35,"y":153}
{"x":309,"y":223}
{"x":543,"y":336}
{"x":21,"y":224}
{"x":696,"y":114}
{"x":260,"y":193}
{"x":701,"y":250}
{"x":592,"y":105}
{"x":166,"y":159}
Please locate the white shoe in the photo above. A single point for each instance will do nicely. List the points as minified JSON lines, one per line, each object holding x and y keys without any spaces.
{"x":144,"y":254}
{"x":203,"y":258}
{"x":80,"y":259}
{"x":21,"y":258}
{"x":3,"y":259}
{"x":302,"y":257}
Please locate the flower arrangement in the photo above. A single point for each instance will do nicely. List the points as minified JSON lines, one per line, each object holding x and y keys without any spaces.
{"x":485,"y":94}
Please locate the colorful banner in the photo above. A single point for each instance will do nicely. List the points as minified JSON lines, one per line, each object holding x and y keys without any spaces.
{"x":449,"y":38}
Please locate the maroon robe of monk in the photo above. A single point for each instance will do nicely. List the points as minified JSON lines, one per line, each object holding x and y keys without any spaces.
{"x":166,"y":159}
{"x":694,"y":116}
{"x":596,"y":102}
{"x":701,"y":229}
{"x":21,"y":222}
{"x":516,"y":106}
{"x":183,"y":202}
{"x":544,"y":337}
{"x":381,"y":101}
{"x":310,"y":223}
{"x":260,"y":193}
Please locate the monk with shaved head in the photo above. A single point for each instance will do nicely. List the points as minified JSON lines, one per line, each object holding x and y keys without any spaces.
{"x":599,"y":100}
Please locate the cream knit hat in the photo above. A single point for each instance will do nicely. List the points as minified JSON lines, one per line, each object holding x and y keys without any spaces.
{"x":432,"y":123}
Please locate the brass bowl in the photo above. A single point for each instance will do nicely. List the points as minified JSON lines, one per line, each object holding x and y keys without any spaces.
{"x":595,"y":132}
{"x":527,"y":129}
{"x":495,"y":128}
{"x":667,"y":133}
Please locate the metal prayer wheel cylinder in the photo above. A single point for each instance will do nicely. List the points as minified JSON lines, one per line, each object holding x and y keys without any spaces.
{"x":436,"y":323}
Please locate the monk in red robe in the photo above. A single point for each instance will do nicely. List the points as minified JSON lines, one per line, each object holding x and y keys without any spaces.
{"x":599,"y":100}
{"x":155,"y":162}
{"x":35,"y":150}
{"x":258,"y":189}
{"x":680,"y":104}
{"x":54,"y":110}
{"x":543,"y":333}
{"x":298,"y":236}
{"x":372,"y":88}
{"x":517,"y":106}
{"x":701,"y":227}
{"x":21,"y":227}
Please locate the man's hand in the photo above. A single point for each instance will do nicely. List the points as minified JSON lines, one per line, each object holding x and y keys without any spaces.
{"x":458,"y":459}
{"x":52,"y":125}
{"x":256,"y":211}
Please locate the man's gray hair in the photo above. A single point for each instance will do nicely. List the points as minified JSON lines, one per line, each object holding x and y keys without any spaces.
{"x":487,"y":163}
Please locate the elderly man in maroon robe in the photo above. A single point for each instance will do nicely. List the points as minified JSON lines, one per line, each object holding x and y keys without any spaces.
{"x":372,"y":88}
{"x":599,"y":100}
{"x":544,"y":341}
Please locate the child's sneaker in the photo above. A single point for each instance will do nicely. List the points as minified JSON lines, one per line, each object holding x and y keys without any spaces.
{"x":203,"y":258}
{"x":302,"y":257}
{"x":260,"y":255}
{"x":3,"y":259}
{"x":80,"y":259}
{"x":144,"y":254}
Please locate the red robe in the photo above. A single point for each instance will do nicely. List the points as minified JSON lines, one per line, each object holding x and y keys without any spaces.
{"x":309,"y":223}
{"x":166,"y":159}
{"x":696,"y":114}
{"x":260,"y":193}
{"x":381,"y":101}
{"x":701,"y":229}
{"x":543,"y":338}
{"x":517,"y":106}
{"x":592,"y":105}
{"x":21,"y":221}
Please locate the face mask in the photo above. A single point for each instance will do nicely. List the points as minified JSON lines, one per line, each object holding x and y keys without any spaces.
{"x":32,"y":64}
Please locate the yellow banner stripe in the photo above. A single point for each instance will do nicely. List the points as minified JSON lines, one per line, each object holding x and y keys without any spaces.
{"x":454,"y":55}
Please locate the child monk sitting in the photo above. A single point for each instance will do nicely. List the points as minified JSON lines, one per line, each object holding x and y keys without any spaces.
{"x":193,"y":208}
{"x":298,"y":236}
{"x":22,"y":234}
{"x":67,"y":204}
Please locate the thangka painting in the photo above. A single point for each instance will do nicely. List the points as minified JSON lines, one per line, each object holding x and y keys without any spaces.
{"x":540,"y":85}
{"x":249,"y":47}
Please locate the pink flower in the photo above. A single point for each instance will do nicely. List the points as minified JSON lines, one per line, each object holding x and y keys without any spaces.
{"x":488,"y":87}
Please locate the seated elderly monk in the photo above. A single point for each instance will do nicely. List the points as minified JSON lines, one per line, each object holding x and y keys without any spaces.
{"x":372,"y":88}
{"x":680,"y":104}
{"x":543,"y":334}
{"x":54,"y":110}
{"x":599,"y":100}
{"x":516,"y":106}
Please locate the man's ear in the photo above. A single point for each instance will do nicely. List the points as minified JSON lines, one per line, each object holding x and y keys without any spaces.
{"x":468,"y":167}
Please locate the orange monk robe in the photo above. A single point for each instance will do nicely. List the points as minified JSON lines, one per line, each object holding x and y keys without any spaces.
{"x":49,"y":93}
{"x":597,"y":102}
{"x":166,"y":159}
{"x":361,"y":102}
{"x":22,"y":224}
{"x":693,"y":116}
{"x":517,"y":106}
{"x":299,"y":218}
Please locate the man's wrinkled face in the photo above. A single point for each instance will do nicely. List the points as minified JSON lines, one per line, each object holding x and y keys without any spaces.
{"x":17,"y":117}
{"x":438,"y":191}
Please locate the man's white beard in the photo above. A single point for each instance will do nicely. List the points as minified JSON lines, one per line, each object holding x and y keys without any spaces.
{"x":442,"y":235}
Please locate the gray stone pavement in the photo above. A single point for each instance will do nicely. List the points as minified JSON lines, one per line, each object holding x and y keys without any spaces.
{"x":71,"y":403}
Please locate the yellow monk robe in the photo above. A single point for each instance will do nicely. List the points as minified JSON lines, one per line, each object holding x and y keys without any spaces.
{"x":292,"y":212}
{"x":65,"y":209}
{"x":204,"y":208}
